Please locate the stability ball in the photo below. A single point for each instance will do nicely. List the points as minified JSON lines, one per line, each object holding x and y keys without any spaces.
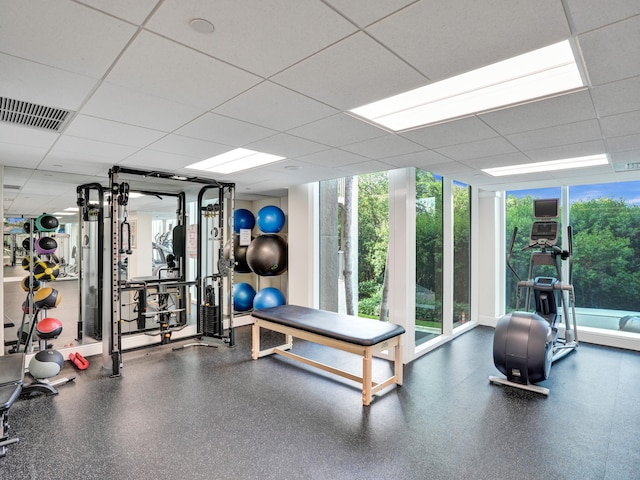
{"x":46,"y":364}
{"x":267,"y":255}
{"x":30,"y":283}
{"x":48,"y":328}
{"x":46,"y":223}
{"x":47,"y":271}
{"x":270,"y":219}
{"x":243,"y":295}
{"x":46,"y":245}
{"x":240,"y":254}
{"x":47,"y":298}
{"x":268,"y":297}
{"x":243,"y":218}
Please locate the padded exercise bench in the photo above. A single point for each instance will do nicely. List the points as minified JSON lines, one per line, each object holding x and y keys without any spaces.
{"x":11,"y":381}
{"x":351,"y":334}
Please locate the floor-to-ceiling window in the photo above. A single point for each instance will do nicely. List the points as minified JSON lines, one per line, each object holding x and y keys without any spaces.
{"x":605,"y":272}
{"x":428,"y":256}
{"x":461,"y":253}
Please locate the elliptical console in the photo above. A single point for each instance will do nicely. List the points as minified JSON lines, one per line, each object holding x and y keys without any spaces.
{"x":525,"y":344}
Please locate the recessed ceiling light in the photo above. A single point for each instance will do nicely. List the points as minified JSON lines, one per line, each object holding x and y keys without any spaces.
{"x":235,"y":161}
{"x":535,"y":75}
{"x":564,"y":164}
{"x":201,"y":25}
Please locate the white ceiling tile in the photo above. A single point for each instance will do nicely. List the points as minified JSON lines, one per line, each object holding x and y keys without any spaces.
{"x":31,"y":137}
{"x":351,"y":73}
{"x":111,"y":132}
{"x":566,"y":151}
{"x":190,"y":147}
{"x":332,"y":158}
{"x":272,"y":105}
{"x":507,"y":159}
{"x":622,"y":144}
{"x":423,"y":159}
{"x":621,"y":125}
{"x":134,"y":12}
{"x":612,"y":53}
{"x":224,"y":130}
{"x":165,"y":69}
{"x":590,"y":14}
{"x":337,"y":130}
{"x":450,"y":133}
{"x":283,"y":32}
{"x":37,"y":83}
{"x":365,"y":12}
{"x":558,"y":110}
{"x":477,"y":149}
{"x":362,"y":168}
{"x":385,"y":146}
{"x":286,"y":146}
{"x":617,"y":97}
{"x":76,"y":163}
{"x":559,"y":135}
{"x":157,"y":160}
{"x":479,"y":37}
{"x":75,"y":149}
{"x":36,"y":30}
{"x":138,"y":108}
{"x":16,"y":155}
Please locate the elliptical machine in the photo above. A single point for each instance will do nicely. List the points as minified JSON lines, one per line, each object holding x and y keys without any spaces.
{"x":525,"y":344}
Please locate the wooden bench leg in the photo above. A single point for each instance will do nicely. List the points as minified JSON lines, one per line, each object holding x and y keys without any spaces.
{"x":367,"y":378}
{"x":397,"y":363}
{"x":255,"y":340}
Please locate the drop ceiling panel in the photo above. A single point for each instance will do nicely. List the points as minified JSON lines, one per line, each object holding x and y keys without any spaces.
{"x":559,"y":135}
{"x":365,"y":12}
{"x":621,"y":125}
{"x":332,"y":158}
{"x":591,"y":14}
{"x":26,"y":156}
{"x":37,"y":83}
{"x":353,"y":72}
{"x":560,"y":110}
{"x":38,"y":31}
{"x":272,"y":105}
{"x":385,"y":146}
{"x":338,"y":130}
{"x":612,"y":53}
{"x":478,"y":38}
{"x":111,"y":132}
{"x":566,"y":151}
{"x":31,"y":137}
{"x":224,"y":130}
{"x":450,"y":133}
{"x":165,"y":69}
{"x":617,"y":97}
{"x":420,"y":159}
{"x":622,"y":144}
{"x":190,"y":147}
{"x":286,"y":145}
{"x":138,"y":108}
{"x":134,"y":12}
{"x":90,"y":151}
{"x":478,"y":149}
{"x":157,"y":160}
{"x":283,"y":32}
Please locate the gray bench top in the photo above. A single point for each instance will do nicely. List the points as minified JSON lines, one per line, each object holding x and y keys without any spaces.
{"x":347,"y":328}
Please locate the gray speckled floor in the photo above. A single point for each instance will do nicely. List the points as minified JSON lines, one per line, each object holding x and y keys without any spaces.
{"x":216,"y":414}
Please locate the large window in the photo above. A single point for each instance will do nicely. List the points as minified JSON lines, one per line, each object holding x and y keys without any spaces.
{"x":605,"y":223}
{"x":606,"y":227}
{"x":428,"y":256}
{"x":461,"y":253}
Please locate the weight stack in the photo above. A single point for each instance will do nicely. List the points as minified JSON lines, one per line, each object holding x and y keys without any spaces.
{"x":211,"y":321}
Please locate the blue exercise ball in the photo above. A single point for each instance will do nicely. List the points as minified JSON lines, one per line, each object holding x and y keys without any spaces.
{"x":267,"y":255}
{"x":243,"y":219}
{"x":243,"y":295}
{"x":270,"y":219}
{"x":268,"y":297}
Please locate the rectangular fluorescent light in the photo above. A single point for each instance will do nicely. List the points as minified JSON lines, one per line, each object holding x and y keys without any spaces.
{"x":234,"y":161}
{"x":564,"y":164}
{"x":534,"y":75}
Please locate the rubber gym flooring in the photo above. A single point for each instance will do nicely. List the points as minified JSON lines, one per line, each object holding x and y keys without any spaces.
{"x":213,"y":413}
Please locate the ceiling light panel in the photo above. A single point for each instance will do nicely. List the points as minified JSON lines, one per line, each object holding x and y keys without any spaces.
{"x":553,"y":165}
{"x":235,"y":161}
{"x":544,"y":72}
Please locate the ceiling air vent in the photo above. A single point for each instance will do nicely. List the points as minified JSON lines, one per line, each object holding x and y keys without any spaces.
{"x":29,"y":114}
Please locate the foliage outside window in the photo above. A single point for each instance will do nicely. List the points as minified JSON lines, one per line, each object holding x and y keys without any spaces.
{"x":428,"y":256}
{"x":461,"y":253}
